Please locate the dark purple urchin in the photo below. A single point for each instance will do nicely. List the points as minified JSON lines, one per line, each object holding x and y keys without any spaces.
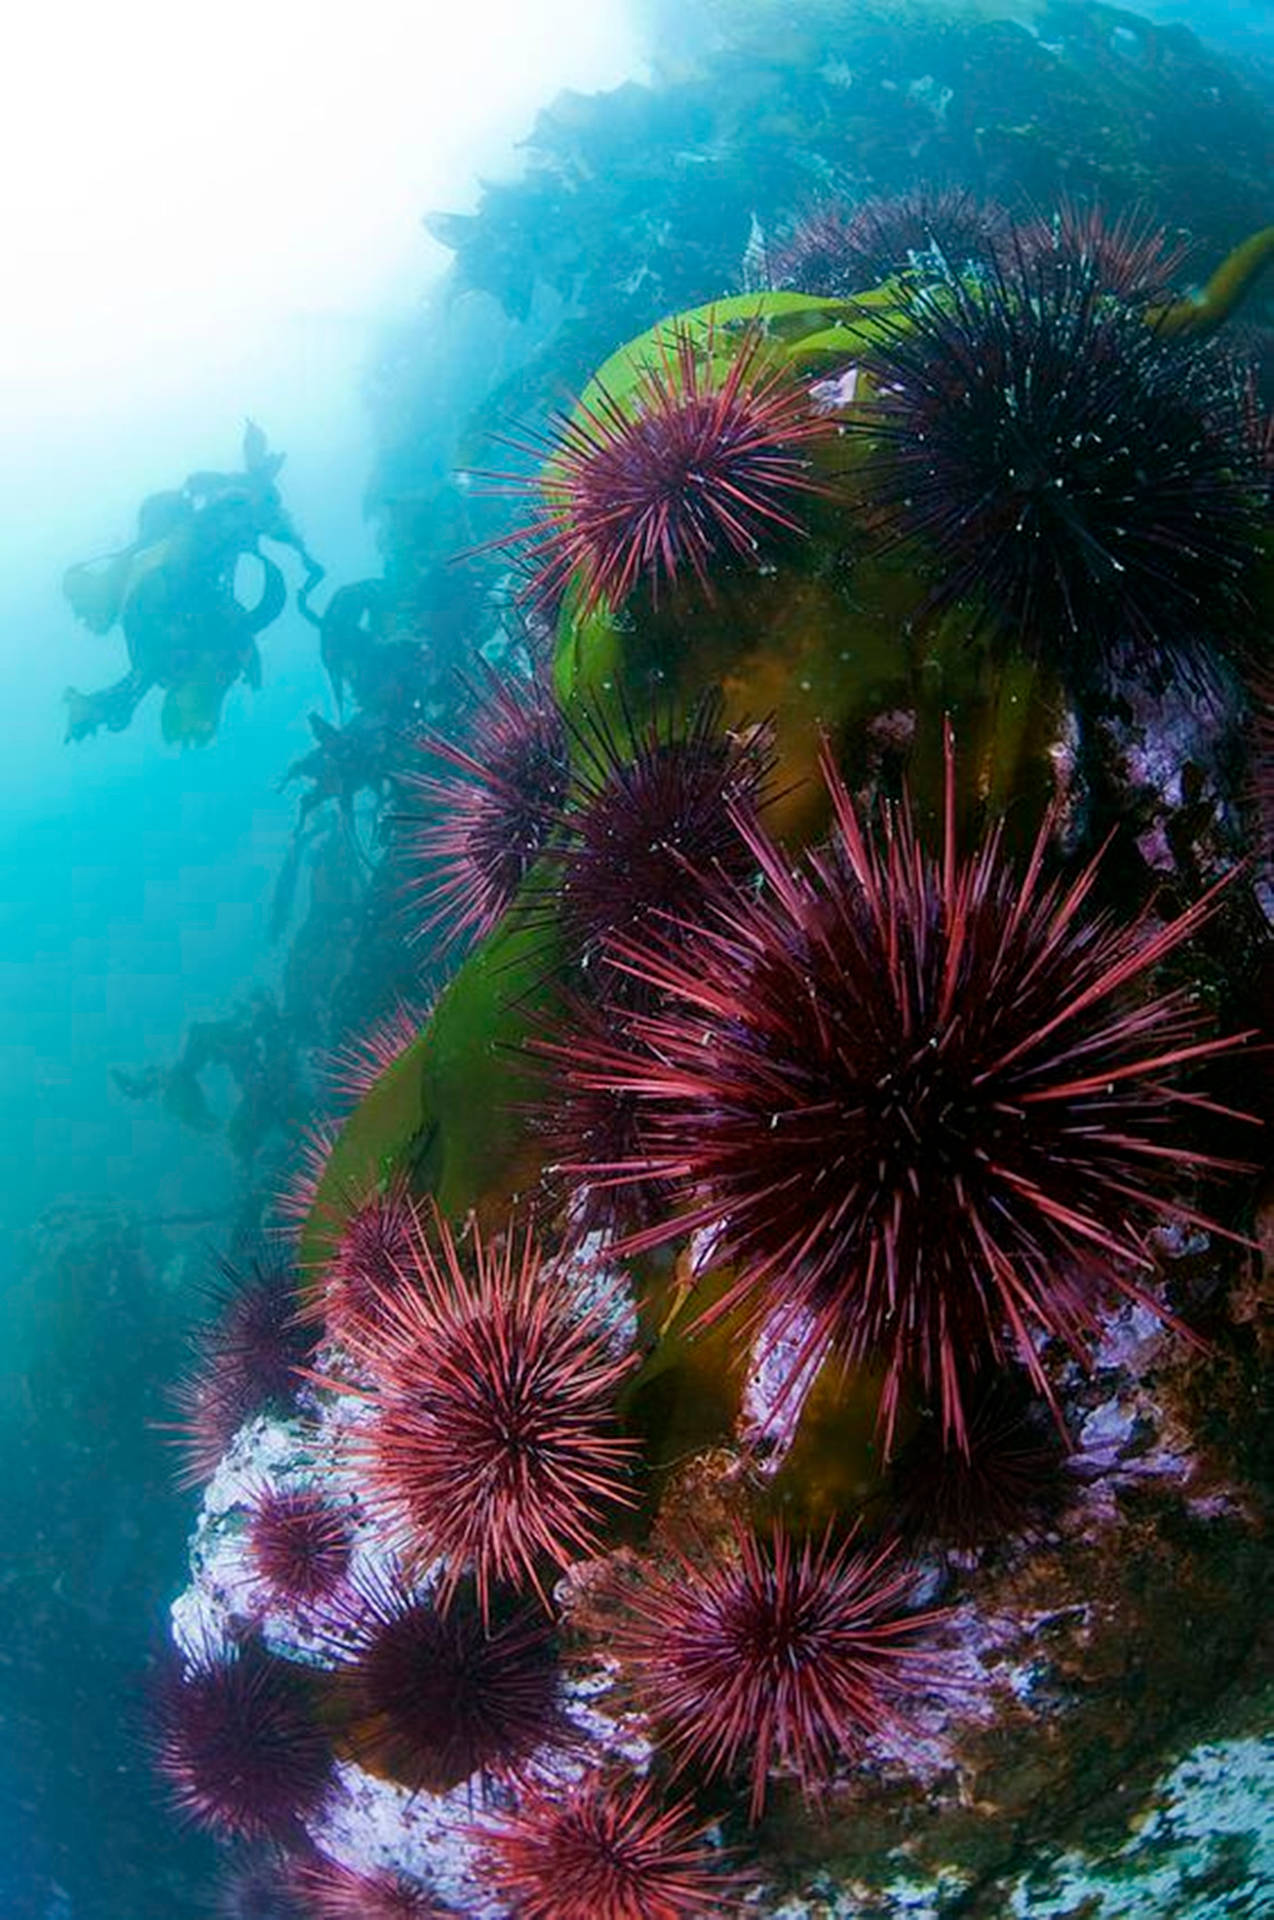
{"x":601,"y":1849}
{"x":653,"y":819}
{"x":927,"y":1107}
{"x":258,"y":1885}
{"x":246,"y":1360}
{"x":695,"y":468}
{"x":837,"y":250}
{"x":473,"y":833}
{"x":431,"y":1698}
{"x":776,"y":1657}
{"x":239,"y":1744}
{"x":1084,"y":485}
{"x":1010,"y":1483}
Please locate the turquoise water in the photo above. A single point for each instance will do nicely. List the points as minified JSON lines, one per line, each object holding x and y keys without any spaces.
{"x":138,"y":876}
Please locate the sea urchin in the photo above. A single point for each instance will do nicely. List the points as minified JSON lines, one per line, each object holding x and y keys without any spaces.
{"x":600,"y":1850}
{"x":491,"y":1439}
{"x":925,"y":1105}
{"x":700,"y":463}
{"x":774,"y":1656}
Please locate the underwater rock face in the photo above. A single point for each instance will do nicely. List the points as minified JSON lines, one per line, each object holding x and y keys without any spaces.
{"x":862,"y":1484}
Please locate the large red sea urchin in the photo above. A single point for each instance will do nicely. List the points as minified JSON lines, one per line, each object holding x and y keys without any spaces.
{"x":928,"y":1107}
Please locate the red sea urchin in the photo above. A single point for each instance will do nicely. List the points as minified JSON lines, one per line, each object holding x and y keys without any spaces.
{"x":1086,"y":484}
{"x":239,"y":1744}
{"x":247,"y":1360}
{"x":840,"y":250}
{"x":336,"y":1892}
{"x":696,"y":466}
{"x":474,"y":832}
{"x":781,"y":1658}
{"x":431,"y":1698}
{"x":924,"y":1104}
{"x":298,"y":1544}
{"x":371,"y":1258}
{"x":492,"y":1438}
{"x":601,"y":1850}
{"x":1126,"y":254}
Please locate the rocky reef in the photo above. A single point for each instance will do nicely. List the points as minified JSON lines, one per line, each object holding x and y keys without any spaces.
{"x":757,"y":1404}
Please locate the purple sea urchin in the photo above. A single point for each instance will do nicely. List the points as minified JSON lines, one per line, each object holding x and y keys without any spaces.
{"x":923,"y":1104}
{"x":1085,"y":483}
{"x":430,"y":1698}
{"x":238,"y":1742}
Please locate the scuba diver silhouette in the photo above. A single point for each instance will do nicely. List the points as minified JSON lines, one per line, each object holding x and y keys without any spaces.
{"x":173,"y":593}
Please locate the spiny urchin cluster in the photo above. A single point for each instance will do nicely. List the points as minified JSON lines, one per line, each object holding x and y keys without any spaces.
{"x":1082,"y":484}
{"x":927,"y":1104}
{"x":697,"y":466}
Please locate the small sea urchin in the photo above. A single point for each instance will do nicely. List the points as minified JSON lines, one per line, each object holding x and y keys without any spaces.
{"x":336,"y":1892}
{"x":600,"y":1850}
{"x":471,"y":835}
{"x":1084,"y":484}
{"x":298,"y":1544}
{"x":925,"y":1105}
{"x":1126,"y":254}
{"x":700,"y":464}
{"x":246,"y":1360}
{"x":652,"y":819}
{"x":239,"y":1744}
{"x":491,"y":1439}
{"x":780,"y":1658}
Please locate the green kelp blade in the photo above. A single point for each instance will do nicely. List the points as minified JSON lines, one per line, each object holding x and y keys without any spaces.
{"x":1203,"y":312}
{"x":449,"y":1112}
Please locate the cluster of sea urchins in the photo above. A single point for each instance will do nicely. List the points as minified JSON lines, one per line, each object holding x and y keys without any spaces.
{"x":917,"y":1108}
